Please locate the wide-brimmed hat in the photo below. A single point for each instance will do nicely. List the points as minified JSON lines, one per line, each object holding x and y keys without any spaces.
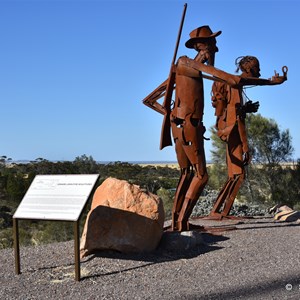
{"x":201,"y":34}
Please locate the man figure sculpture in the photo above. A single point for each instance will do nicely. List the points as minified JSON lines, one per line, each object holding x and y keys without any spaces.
{"x":187,"y":126}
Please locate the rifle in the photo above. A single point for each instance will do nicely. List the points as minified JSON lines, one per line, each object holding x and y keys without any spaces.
{"x":165,"y":139}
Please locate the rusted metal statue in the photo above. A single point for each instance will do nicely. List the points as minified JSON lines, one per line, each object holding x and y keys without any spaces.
{"x":230,"y":110}
{"x":185,"y":120}
{"x":187,"y":127}
{"x":185,"y":116}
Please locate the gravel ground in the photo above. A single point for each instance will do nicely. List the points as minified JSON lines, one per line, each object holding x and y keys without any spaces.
{"x":257,"y":260}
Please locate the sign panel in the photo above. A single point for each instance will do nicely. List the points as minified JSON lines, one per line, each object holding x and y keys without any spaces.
{"x":56,"y":197}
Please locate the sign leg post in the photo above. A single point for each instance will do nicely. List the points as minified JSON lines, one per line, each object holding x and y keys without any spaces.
{"x":16,"y":246}
{"x":76,"y":248}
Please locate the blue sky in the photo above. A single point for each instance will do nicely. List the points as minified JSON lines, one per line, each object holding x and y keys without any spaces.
{"x":73,"y":73}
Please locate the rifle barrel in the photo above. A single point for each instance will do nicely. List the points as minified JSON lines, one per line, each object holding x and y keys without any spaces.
{"x":179,"y":34}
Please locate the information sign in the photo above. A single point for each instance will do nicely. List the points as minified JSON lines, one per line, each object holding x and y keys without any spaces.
{"x":56,"y":197}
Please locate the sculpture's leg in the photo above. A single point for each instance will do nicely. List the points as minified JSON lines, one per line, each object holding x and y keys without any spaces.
{"x":235,"y":186}
{"x":186,"y":172}
{"x":188,"y":138}
{"x":195,"y":189}
{"x":221,"y":198}
{"x":182,"y":187}
{"x":226,"y":196}
{"x":236,"y":175}
{"x":194,"y":149}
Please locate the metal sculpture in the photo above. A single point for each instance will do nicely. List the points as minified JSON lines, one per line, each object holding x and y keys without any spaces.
{"x":185,"y":121}
{"x":230,"y":110}
{"x":185,"y":116}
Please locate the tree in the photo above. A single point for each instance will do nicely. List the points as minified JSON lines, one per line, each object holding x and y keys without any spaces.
{"x":269,"y":146}
{"x":85,"y":164}
{"x":15,"y":187}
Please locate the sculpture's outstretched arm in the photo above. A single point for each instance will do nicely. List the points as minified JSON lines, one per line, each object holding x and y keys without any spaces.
{"x":190,"y":67}
{"x":276,"y":79}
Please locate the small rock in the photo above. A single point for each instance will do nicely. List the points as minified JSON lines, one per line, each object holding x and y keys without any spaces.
{"x":287,"y":214}
{"x":180,"y":241}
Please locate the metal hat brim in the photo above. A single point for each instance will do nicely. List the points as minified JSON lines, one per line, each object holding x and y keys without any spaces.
{"x":192,"y":41}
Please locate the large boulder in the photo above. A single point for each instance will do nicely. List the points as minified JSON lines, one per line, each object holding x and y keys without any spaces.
{"x":122,"y":218}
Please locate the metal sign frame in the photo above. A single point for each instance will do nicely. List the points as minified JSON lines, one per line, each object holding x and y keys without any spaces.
{"x":22,"y":214}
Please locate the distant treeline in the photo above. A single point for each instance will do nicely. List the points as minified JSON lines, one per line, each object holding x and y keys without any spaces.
{"x":15,"y":179}
{"x":266,"y":184}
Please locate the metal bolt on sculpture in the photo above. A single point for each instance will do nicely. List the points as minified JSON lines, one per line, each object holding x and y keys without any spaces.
{"x":184,"y":118}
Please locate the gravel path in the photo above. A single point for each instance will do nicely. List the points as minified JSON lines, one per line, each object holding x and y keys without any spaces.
{"x":256,"y":261}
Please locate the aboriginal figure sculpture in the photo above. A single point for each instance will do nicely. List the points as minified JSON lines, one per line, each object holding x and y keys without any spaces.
{"x":230,"y":110}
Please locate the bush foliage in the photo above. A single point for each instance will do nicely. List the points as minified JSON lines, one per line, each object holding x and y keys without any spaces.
{"x":15,"y":179}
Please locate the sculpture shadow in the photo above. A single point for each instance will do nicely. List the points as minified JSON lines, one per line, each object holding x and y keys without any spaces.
{"x":137,"y":260}
{"x":250,"y":222}
{"x":275,"y":225}
{"x":160,"y":255}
